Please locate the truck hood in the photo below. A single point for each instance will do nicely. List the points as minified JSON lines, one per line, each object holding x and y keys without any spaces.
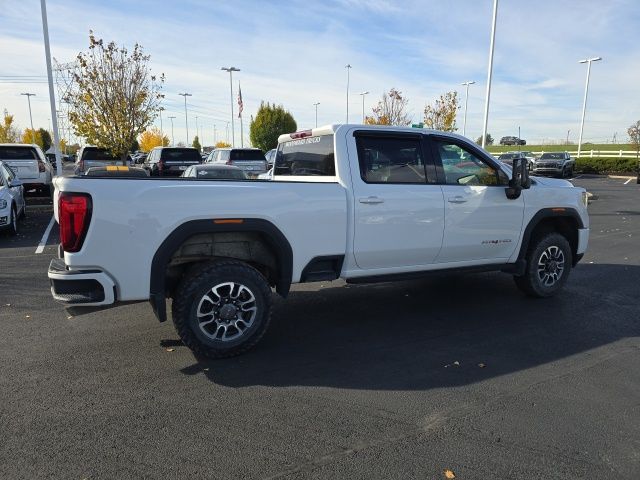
{"x":552,"y":182}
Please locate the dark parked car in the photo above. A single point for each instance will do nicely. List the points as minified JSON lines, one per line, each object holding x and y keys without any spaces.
{"x":90,"y":156}
{"x":116,"y":171}
{"x":213,"y":171}
{"x":559,"y":164}
{"x":171,"y":161}
{"x":510,"y":140}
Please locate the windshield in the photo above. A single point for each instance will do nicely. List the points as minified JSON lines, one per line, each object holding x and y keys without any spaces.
{"x":556,"y":156}
{"x":306,"y":156}
{"x":180,"y":155}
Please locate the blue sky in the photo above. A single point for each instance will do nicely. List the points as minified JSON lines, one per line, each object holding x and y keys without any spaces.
{"x":294,"y":52}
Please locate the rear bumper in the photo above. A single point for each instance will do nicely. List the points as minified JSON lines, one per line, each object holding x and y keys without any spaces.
{"x":80,"y":287}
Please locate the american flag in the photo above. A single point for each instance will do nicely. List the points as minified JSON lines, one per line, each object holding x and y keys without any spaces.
{"x":240,"y":104}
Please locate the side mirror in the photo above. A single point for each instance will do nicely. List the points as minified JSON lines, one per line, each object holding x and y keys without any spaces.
{"x":16,"y":182}
{"x":519,"y":178}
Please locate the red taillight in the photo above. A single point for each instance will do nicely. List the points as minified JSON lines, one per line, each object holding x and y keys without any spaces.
{"x":74,"y":215}
{"x":160,"y":165}
{"x":41,"y":167}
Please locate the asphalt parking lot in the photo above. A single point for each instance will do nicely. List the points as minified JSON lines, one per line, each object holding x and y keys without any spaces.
{"x":402,"y":380}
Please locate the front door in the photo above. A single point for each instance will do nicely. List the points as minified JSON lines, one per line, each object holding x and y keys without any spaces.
{"x":398,"y":207}
{"x":481,"y":223}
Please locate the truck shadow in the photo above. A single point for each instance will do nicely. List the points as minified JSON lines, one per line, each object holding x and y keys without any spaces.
{"x":431,"y":333}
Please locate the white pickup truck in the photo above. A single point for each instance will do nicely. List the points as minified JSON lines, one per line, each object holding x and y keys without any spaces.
{"x":362,"y":203}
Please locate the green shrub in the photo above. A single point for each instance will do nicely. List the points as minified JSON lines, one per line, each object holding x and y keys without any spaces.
{"x":606,"y":166}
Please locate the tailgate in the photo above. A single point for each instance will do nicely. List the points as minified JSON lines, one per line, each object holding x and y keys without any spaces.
{"x":24,"y":169}
{"x":100,"y":163}
{"x":250,"y":165}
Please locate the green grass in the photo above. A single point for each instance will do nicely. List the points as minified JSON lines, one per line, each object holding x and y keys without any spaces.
{"x":562,"y":148}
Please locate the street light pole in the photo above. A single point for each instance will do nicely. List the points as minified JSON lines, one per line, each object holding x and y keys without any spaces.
{"x":173,"y":142}
{"x":316,"y":105}
{"x":348,"y":67}
{"x":33,"y":133}
{"x":231,"y":70}
{"x":584,"y":102}
{"x":363,"y":95}
{"x":186,"y":120}
{"x":52,"y":96}
{"x":466,"y":101}
{"x":489,"y":73}
{"x":568,"y":136}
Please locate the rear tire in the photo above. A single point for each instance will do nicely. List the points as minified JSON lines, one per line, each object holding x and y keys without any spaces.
{"x":222,"y":309}
{"x":549,"y":260}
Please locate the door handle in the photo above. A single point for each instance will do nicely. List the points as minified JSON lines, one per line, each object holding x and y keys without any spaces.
{"x":457,"y":199}
{"x":371,"y":200}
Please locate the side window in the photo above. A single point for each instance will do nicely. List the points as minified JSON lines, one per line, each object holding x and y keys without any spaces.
{"x":461,"y":167}
{"x":391,"y":159}
{"x":1,"y":178}
{"x":224,"y":155}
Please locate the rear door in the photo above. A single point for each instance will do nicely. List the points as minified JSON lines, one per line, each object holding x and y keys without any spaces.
{"x":22,"y":160}
{"x":398,"y":206}
{"x":481,"y":222}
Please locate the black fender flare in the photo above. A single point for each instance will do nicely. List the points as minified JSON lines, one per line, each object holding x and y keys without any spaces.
{"x":542,"y":214}
{"x":274,"y":237}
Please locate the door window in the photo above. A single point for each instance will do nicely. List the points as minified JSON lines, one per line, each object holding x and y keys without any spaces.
{"x":8,"y":174}
{"x":391,"y":159}
{"x":462,"y":167}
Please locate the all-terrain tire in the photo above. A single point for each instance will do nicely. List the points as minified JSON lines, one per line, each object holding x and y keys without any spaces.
{"x":549,"y":260}
{"x":204,"y":303}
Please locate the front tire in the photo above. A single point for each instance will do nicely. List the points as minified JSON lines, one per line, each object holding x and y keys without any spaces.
{"x":13,"y":221}
{"x":549,"y":260}
{"x":222,"y":309}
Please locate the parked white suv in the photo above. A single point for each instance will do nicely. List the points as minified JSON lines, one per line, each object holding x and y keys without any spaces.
{"x":30,"y":165}
{"x":12,"y":206}
{"x":251,"y":160}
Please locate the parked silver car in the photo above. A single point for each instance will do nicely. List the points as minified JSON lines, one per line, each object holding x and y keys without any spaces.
{"x":12,"y":205}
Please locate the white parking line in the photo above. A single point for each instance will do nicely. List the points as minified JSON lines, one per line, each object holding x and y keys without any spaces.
{"x":628,"y":181}
{"x":45,"y":237}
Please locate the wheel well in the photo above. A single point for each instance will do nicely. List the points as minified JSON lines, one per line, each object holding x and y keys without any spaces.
{"x":250,"y":247}
{"x":565,"y":226}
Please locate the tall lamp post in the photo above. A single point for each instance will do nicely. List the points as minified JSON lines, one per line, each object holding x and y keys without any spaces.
{"x":231,"y":70}
{"x":316,"y":105}
{"x":186,"y":120}
{"x":197,"y":131}
{"x":466,"y":101}
{"x":348,"y":67}
{"x":363,"y":95}
{"x":173,"y":143}
{"x":489,"y":73}
{"x":33,"y":133}
{"x":586,"y":91}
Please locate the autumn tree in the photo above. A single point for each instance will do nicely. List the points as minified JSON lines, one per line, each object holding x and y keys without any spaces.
{"x":46,"y":139}
{"x":8,"y":132}
{"x":270,"y":122}
{"x":152,"y":138}
{"x":489,"y":140}
{"x":112,"y":95}
{"x":222,"y":144}
{"x":32,"y":136}
{"x":442,"y":115}
{"x":391,"y":110}
{"x":196,"y":143}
